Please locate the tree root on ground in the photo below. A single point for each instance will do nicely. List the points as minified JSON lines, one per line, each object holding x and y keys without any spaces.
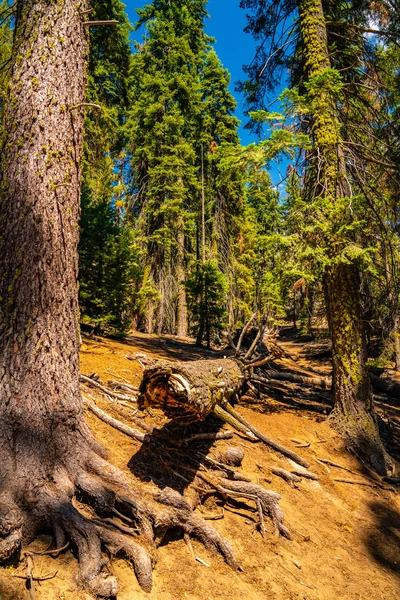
{"x":48,"y":503}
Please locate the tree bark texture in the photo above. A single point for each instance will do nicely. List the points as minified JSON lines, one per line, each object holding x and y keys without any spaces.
{"x":40,"y":404}
{"x":47,"y":452}
{"x":353,"y":411}
{"x":189,"y":391}
{"x":45,"y":446}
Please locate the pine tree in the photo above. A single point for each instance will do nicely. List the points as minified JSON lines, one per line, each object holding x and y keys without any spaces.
{"x":162,"y":132}
{"x":107,"y":255}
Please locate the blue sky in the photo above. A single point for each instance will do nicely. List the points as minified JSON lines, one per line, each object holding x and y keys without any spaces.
{"x":234,"y":47}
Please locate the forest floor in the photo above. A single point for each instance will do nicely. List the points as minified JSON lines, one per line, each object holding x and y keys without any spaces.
{"x":346,"y":536}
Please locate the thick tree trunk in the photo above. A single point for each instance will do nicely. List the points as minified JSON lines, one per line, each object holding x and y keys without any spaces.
{"x":46,"y":449}
{"x":41,"y":412}
{"x":353,"y":410}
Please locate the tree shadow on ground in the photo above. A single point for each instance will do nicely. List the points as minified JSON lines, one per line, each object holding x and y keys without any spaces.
{"x":173,"y":348}
{"x":292,"y":397}
{"x":12,"y":590}
{"x":383,"y":541}
{"x":169,"y":464}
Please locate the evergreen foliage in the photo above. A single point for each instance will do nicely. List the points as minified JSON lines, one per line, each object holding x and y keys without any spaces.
{"x":206,"y":288}
{"x":107,"y":252}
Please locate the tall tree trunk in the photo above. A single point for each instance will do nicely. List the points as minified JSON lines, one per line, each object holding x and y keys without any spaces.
{"x":46,"y":449}
{"x":353,"y":411}
{"x":182,"y":325}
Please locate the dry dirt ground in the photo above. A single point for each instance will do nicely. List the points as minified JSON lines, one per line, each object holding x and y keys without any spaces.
{"x":346,"y":537}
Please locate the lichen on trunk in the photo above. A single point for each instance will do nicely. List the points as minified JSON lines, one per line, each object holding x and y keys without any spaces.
{"x":353,"y":412}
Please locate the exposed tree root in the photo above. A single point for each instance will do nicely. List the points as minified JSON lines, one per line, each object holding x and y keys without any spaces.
{"x":361,"y":435}
{"x":267,"y":500}
{"x":109,"y":493}
{"x":106,"y":390}
{"x":133,"y":433}
{"x":290,"y":478}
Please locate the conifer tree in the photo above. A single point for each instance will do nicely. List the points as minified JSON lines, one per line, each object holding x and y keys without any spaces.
{"x":334,"y":229}
{"x":162,"y":129}
{"x":107,"y":255}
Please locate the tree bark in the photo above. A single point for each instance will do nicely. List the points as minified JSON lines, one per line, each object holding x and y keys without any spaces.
{"x":188,"y":391}
{"x":41,"y":411}
{"x":353,"y":411}
{"x":182,"y":319}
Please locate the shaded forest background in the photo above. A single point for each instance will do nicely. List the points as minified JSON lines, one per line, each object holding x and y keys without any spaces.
{"x":182,"y":231}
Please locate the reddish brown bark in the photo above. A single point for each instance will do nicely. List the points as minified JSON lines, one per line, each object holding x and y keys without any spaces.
{"x":46,"y":450}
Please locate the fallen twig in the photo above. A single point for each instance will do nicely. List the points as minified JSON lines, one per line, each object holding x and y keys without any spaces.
{"x":354,"y":482}
{"x":103,"y":388}
{"x":290,"y":478}
{"x":200,"y":437}
{"x":123,"y":386}
{"x":56,"y":551}
{"x":285,"y":451}
{"x":129,"y":431}
{"x":306,"y":474}
{"x":326,"y":461}
{"x":243,"y":333}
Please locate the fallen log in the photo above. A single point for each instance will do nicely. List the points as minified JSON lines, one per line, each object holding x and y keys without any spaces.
{"x":389,"y":387}
{"x":188,"y":391}
{"x":323,"y":382}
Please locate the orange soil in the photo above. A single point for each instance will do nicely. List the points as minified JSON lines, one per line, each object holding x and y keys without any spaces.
{"x":346,"y":537}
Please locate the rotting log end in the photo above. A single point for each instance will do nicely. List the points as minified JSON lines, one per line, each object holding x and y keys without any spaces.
{"x":188,"y":391}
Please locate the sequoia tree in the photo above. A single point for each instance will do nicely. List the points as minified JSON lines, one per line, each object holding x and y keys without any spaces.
{"x":46,"y":450}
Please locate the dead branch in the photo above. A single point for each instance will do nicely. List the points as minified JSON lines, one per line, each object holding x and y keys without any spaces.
{"x":235,"y":423}
{"x":389,"y":387}
{"x":285,"y":451}
{"x":54,"y":552}
{"x":118,"y":385}
{"x":290,"y":478}
{"x":93,"y":23}
{"x":365,"y":484}
{"x":253,"y":346}
{"x":87,"y":380}
{"x":129,"y":431}
{"x":29,"y":575}
{"x":323,"y":382}
{"x":259,"y":362}
{"x":85,"y":105}
{"x":200,"y":437}
{"x":243,"y":333}
{"x":306,"y":474}
{"x":326,"y":461}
